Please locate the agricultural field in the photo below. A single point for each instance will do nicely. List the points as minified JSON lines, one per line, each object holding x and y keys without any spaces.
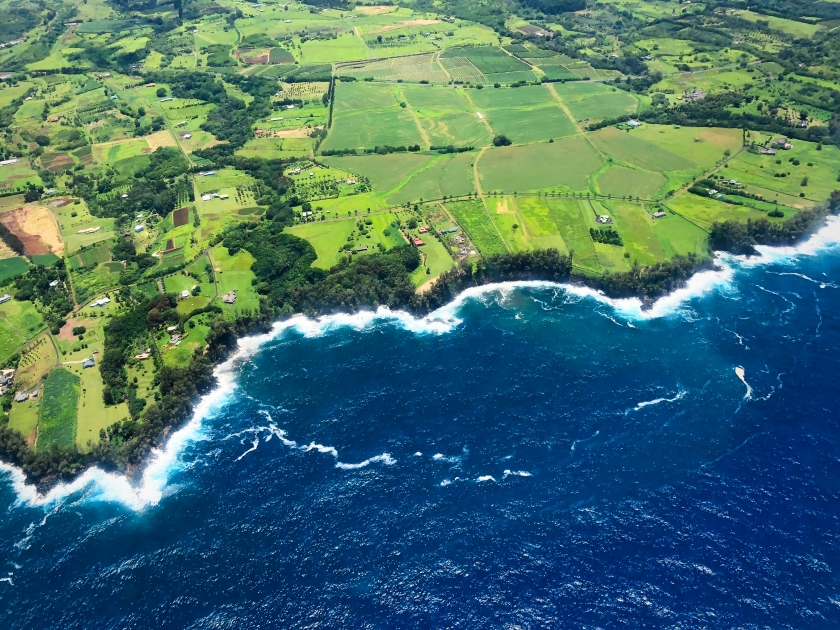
{"x":59,"y":409}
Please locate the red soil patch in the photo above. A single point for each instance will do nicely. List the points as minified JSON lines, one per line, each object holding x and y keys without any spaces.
{"x":170,"y":245}
{"x":180,"y":217}
{"x":14,"y":220}
{"x":66,"y":332}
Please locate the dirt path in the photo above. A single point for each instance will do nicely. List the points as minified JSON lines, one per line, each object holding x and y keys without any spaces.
{"x":362,"y":39}
{"x":423,"y":134}
{"x":480,"y":117}
{"x":580,"y":129}
{"x":483,"y":200}
{"x":436,"y":59}
{"x":426,"y":286}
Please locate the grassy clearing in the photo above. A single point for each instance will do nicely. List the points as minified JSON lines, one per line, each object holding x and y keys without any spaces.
{"x":59,"y":409}
{"x":538,"y":166}
{"x":595,"y":101}
{"x":10,"y":267}
{"x":435,"y":258}
{"x":326,"y":237}
{"x":233,"y":273}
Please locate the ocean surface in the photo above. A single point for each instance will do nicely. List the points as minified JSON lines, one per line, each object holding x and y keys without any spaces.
{"x":530,"y":456}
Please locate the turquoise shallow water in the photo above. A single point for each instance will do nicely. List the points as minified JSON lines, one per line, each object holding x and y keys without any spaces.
{"x":531,"y":456}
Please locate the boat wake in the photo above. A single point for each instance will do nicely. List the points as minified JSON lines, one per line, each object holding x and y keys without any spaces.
{"x":96,"y":485}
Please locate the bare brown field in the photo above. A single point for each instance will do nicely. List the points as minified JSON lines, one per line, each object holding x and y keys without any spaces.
{"x":37,"y":229}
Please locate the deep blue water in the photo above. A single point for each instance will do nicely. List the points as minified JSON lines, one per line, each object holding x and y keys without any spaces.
{"x":535,"y":458}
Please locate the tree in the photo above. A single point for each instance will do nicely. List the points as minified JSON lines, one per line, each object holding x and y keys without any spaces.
{"x":161,"y":92}
{"x":501,"y":141}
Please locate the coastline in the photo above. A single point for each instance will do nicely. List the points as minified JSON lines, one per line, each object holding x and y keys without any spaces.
{"x":144,"y":485}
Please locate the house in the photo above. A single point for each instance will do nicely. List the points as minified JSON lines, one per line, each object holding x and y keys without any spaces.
{"x":53,"y":284}
{"x":207,"y":173}
{"x":351,"y":182}
{"x":144,"y":355}
{"x":21,"y":396}
{"x":89,"y":362}
{"x":174,"y":340}
{"x":633,"y":124}
{"x":101,"y":302}
{"x":150,"y":85}
{"x":89,"y":230}
{"x":8,"y":162}
{"x":167,"y":99}
{"x":418,"y":242}
{"x":34,"y":394}
{"x":362,"y":248}
{"x":184,"y":294}
{"x":224,"y":196}
{"x":124,"y":196}
{"x":423,"y":229}
{"x":603,"y":218}
{"x":207,"y":197}
{"x":767,"y":151}
{"x":171,"y":329}
{"x":186,"y":136}
{"x":781,"y":143}
{"x":5,"y":298}
{"x":658,"y":215}
{"x":139,"y":228}
{"x":259,"y":132}
{"x":229,"y":298}
{"x":54,"y":119}
{"x":7,"y":381}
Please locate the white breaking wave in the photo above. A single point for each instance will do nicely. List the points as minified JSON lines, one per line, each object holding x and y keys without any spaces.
{"x":739,"y":371}
{"x":518,"y":473}
{"x":656,"y":401}
{"x":484,"y":478}
{"x":97,"y":485}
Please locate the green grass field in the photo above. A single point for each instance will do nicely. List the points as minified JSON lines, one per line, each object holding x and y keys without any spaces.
{"x":566,"y":164}
{"x":619,"y":181}
{"x":59,"y":409}
{"x":233,"y":273}
{"x":594,"y":101}
{"x":385,"y":172}
{"x":449,"y":175}
{"x":328,"y":237}
{"x":10,"y":267}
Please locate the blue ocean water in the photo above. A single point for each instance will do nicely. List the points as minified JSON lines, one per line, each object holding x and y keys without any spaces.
{"x":531,"y":456}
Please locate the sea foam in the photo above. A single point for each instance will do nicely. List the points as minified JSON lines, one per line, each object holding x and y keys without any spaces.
{"x":97,"y":485}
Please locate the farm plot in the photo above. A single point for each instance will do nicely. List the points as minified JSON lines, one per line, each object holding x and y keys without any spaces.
{"x":473,"y":218}
{"x":385,"y":172}
{"x":369,"y":116}
{"x":620,"y":181}
{"x":566,"y":164}
{"x":631,"y":149}
{"x":461,"y":69}
{"x":410,"y":69}
{"x":594,"y":101}
{"x":447,"y":176}
{"x":59,"y":410}
{"x":703,"y":211}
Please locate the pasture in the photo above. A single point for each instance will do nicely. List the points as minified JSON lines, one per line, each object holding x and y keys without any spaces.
{"x":619,"y":181}
{"x":446,"y":176}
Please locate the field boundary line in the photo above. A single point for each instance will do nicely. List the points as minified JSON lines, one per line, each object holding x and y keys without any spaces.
{"x":568,"y":113}
{"x":423,"y":135}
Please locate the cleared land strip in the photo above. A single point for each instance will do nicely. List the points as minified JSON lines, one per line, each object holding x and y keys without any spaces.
{"x":483,"y":200}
